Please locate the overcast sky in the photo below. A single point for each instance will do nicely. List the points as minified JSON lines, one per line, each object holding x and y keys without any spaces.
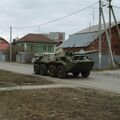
{"x":23,"y":13}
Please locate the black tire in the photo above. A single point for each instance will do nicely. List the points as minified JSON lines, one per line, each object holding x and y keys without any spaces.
{"x":52,"y":71}
{"x":36,"y":68}
{"x":61,"y":72}
{"x":85,"y":74}
{"x":75,"y":74}
{"x":43,"y":69}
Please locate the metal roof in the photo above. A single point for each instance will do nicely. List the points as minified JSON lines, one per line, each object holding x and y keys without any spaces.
{"x":79,"y":40}
{"x":84,"y":37}
{"x":95,"y":28}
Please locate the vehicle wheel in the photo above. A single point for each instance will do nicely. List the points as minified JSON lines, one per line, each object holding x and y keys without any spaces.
{"x":52,"y":70}
{"x":61,"y":73}
{"x":36,"y":68}
{"x":75,"y":74}
{"x":43,"y":69}
{"x":85,"y":74}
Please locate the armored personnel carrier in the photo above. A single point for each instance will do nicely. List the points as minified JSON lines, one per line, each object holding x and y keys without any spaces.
{"x":60,"y":63}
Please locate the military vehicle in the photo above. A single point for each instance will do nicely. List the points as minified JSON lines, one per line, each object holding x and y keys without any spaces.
{"x":60,"y":63}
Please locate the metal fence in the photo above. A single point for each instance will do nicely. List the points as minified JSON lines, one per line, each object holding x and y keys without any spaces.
{"x":106,"y":62}
{"x":24,"y":57}
{"x":4,"y":57}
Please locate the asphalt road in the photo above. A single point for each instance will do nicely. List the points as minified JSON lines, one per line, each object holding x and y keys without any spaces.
{"x":105,"y":80}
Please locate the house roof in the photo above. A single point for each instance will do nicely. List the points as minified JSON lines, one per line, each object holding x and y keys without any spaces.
{"x":84,"y":37}
{"x":3,"y":44}
{"x":2,"y":40}
{"x":95,"y":28}
{"x":79,"y":40}
{"x":35,"y":38}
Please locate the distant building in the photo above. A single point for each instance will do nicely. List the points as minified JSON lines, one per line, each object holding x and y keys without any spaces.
{"x":31,"y":44}
{"x":58,"y":37}
{"x":88,"y":38}
{"x":4,"y":50}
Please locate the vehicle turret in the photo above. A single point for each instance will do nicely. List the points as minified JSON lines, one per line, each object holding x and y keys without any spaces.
{"x":60,"y":63}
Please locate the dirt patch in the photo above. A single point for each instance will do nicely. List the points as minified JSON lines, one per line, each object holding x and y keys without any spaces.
{"x":12,"y":79}
{"x":59,"y":104}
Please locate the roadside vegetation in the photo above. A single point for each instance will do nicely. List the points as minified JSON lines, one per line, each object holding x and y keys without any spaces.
{"x":59,"y":104}
{"x":8,"y":79}
{"x":54,"y":103}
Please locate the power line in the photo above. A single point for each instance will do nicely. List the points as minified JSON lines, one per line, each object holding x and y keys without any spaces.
{"x":118,"y":7}
{"x":73,"y":13}
{"x":4,"y":31}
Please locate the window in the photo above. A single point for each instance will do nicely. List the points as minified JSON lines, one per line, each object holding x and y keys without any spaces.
{"x":44,"y":47}
{"x":50,"y":48}
{"x":32,"y":47}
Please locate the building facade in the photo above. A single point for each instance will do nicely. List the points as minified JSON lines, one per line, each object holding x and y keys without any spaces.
{"x":32,"y":44}
{"x":58,"y":37}
{"x":88,"y":39}
{"x":4,"y":50}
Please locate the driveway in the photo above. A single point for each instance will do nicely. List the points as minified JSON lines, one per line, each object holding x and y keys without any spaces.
{"x":105,"y":80}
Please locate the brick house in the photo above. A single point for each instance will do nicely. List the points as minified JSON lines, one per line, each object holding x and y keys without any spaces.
{"x":88,"y":38}
{"x":4,"y":49}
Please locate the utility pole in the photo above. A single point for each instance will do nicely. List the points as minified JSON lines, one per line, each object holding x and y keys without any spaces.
{"x":115,"y":20}
{"x":108,"y":40}
{"x":10,"y":43}
{"x":93,"y":15}
{"x":38,"y":29}
{"x":99,"y":42}
{"x":110,"y":19}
